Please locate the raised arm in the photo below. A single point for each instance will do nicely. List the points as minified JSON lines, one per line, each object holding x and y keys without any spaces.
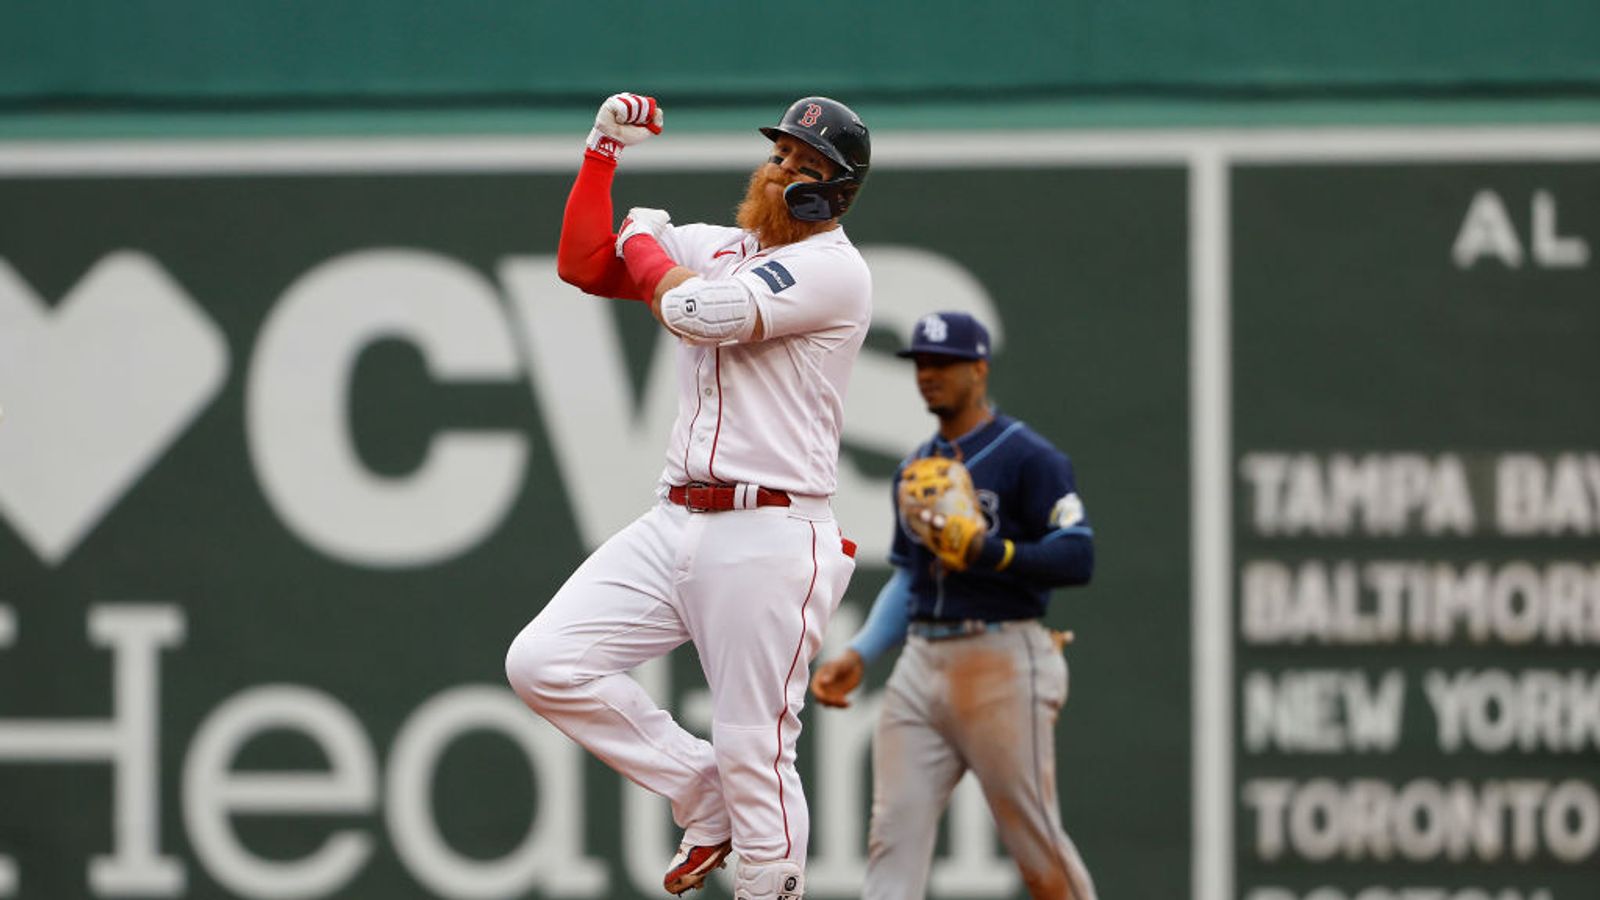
{"x":586,"y":256}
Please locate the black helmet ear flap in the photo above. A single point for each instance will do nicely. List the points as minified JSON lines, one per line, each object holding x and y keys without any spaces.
{"x":816,"y":201}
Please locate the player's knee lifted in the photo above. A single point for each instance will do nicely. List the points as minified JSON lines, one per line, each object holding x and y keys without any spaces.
{"x":536,"y":672}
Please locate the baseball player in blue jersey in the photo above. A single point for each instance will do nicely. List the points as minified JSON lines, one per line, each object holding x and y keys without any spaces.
{"x":980,"y":543}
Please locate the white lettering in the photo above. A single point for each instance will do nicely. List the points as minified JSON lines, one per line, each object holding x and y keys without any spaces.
{"x":1315,"y":601}
{"x":1420,"y":820}
{"x":1572,"y":821}
{"x":1514,"y":603}
{"x":128,"y":741}
{"x":1381,"y":494}
{"x":1266,"y":473}
{"x":1537,"y":709}
{"x":213,"y":793}
{"x":550,"y":856}
{"x":1423,"y":820}
{"x":298,"y":423}
{"x":1550,"y":249}
{"x":1519,"y":493}
{"x":1315,"y":824}
{"x":1322,"y":711}
{"x":1268,"y":798}
{"x":1559,"y":496}
{"x":1486,"y":231}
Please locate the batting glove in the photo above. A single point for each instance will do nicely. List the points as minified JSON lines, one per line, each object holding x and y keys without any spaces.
{"x":642,"y":220}
{"x":623,"y":120}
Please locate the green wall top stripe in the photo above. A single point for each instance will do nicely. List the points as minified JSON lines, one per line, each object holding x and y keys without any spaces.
{"x":195,"y":50}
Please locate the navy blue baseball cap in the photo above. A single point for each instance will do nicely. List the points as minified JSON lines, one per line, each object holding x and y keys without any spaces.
{"x":949,"y":334}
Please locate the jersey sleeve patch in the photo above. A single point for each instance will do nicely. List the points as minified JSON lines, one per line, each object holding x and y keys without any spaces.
{"x":775,"y":275}
{"x":1067,"y":512}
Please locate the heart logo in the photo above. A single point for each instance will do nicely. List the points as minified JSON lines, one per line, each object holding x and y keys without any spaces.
{"x":94,"y":392}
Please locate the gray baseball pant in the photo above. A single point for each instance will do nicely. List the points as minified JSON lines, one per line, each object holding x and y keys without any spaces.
{"x":987,"y":703}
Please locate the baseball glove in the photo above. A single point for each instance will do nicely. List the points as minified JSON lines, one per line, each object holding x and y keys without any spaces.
{"x":939,"y":505}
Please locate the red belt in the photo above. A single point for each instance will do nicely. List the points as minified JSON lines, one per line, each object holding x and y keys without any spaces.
{"x":719,"y":497}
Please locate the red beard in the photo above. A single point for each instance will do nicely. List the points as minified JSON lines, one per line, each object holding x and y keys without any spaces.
{"x":767,"y":217}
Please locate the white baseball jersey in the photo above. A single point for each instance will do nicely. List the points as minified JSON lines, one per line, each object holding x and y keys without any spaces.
{"x":769,"y":413}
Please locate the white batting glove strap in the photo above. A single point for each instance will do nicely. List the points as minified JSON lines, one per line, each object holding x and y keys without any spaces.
{"x":642,"y":220}
{"x":623,"y":120}
{"x":609,"y":147}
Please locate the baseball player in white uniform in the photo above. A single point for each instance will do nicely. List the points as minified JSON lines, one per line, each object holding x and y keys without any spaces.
{"x":740,"y":554}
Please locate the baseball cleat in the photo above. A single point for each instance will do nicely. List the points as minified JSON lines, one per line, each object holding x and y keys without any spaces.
{"x":692,"y":864}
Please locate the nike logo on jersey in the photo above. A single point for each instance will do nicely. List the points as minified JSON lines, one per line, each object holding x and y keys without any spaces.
{"x":724,"y":253}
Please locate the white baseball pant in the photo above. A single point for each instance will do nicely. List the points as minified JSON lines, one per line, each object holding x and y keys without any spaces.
{"x":754,"y":590}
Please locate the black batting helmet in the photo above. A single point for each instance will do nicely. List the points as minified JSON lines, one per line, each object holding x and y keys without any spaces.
{"x":833,"y":130}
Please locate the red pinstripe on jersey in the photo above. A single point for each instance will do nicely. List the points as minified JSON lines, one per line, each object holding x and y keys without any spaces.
{"x":711,"y":464}
{"x":783,"y":706}
{"x":689,"y":442}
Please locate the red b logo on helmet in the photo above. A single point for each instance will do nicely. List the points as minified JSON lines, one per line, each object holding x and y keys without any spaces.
{"x":812,"y":114}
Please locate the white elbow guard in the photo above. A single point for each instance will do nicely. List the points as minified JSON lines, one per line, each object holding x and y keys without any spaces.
{"x":709,"y":312}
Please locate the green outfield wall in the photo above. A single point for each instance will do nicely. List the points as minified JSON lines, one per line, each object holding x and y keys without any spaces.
{"x":297,"y":434}
{"x":361,"y":52}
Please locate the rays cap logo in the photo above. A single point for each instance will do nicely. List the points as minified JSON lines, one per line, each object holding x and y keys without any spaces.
{"x":955,"y":334}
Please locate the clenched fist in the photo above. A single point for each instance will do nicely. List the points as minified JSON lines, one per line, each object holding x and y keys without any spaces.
{"x":623,"y":120}
{"x":836,"y":678}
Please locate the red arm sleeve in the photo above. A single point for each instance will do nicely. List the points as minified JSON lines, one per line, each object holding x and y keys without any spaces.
{"x":587,"y":256}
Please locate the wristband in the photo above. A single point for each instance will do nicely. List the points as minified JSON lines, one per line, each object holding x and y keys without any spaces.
{"x":647,"y":263}
{"x":602,"y":147}
{"x":1011,"y":551}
